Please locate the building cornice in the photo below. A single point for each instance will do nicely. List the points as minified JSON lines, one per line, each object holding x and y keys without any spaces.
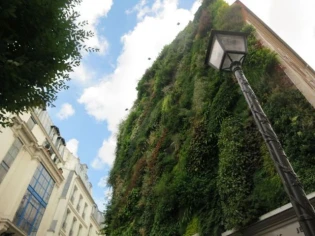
{"x":85,"y":189}
{"x":21,"y":130}
{"x":95,"y":222}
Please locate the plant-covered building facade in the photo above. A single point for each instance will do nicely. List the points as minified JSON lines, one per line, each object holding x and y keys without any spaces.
{"x":189,"y":157}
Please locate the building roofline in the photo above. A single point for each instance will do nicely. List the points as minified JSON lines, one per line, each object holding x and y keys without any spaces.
{"x":273,"y":33}
{"x":85,"y":189}
{"x":99,"y":224}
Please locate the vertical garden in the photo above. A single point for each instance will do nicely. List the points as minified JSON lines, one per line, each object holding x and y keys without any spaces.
{"x":189,"y":157}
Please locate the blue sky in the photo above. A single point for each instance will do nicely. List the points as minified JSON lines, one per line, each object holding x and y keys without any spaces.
{"x":127,"y":33}
{"x":88,"y":113}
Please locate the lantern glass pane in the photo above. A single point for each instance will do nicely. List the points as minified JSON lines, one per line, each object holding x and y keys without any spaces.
{"x":227,"y":62}
{"x":233,"y":42}
{"x":236,"y":57}
{"x":216,"y":54}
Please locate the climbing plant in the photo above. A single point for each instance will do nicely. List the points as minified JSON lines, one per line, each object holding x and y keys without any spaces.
{"x":189,"y":157}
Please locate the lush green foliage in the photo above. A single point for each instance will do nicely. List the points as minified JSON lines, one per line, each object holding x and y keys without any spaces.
{"x":189,"y":158}
{"x":40,"y":43}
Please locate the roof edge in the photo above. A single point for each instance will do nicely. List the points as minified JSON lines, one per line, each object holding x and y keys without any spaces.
{"x":238,"y":2}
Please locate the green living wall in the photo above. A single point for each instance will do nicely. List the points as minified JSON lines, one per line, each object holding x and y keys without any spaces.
{"x":189,"y":158}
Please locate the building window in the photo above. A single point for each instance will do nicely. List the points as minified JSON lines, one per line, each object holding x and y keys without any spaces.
{"x":58,"y":142}
{"x":31,"y":122}
{"x":64,"y":224}
{"x":90,"y":229}
{"x":61,"y":150}
{"x":71,"y":233}
{"x":45,"y":120}
{"x":84,"y":211}
{"x":79,"y":231}
{"x":34,"y":202}
{"x":51,"y":133}
{"x":79,"y":203}
{"x":73,"y":194}
{"x":9,"y":158}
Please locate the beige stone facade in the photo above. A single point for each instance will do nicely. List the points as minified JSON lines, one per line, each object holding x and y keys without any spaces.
{"x":44,"y":189}
{"x":299,"y":72}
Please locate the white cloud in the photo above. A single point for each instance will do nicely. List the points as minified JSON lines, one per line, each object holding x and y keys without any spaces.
{"x":66,"y":111}
{"x":97,"y":164}
{"x":101,"y":202}
{"x":82,"y":74}
{"x":195,"y":6}
{"x":141,"y":6}
{"x":92,"y":11}
{"x":108,"y":194}
{"x":102,"y":183}
{"x":107,"y":151}
{"x":106,"y":154}
{"x":108,"y":100}
{"x":294,"y":22}
{"x":73,"y":145}
{"x":116,"y":92}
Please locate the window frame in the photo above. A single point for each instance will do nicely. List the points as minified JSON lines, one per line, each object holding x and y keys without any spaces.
{"x":31,"y":122}
{"x":34,"y":201}
{"x":10,"y":157}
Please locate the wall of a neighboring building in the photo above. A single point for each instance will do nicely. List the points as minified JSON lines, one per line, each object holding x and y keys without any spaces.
{"x":94,"y":227}
{"x":75,"y":175}
{"x":64,"y":168}
{"x":299,"y":72}
{"x":14,"y":184}
{"x":13,"y":187}
{"x":96,"y":221}
{"x":67,"y":209}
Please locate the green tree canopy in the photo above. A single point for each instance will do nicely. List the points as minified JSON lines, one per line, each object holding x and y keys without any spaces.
{"x":40,"y":43}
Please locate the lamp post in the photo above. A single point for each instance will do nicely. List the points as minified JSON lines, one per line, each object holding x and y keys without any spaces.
{"x":227,"y":51}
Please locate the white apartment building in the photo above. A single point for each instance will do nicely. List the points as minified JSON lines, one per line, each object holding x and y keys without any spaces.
{"x":44,"y":189}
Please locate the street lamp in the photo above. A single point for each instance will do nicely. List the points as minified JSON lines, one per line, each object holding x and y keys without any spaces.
{"x":226,"y":51}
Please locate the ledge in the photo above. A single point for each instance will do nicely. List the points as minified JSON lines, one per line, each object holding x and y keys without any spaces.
{"x":11,"y":228}
{"x":272,"y":220}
